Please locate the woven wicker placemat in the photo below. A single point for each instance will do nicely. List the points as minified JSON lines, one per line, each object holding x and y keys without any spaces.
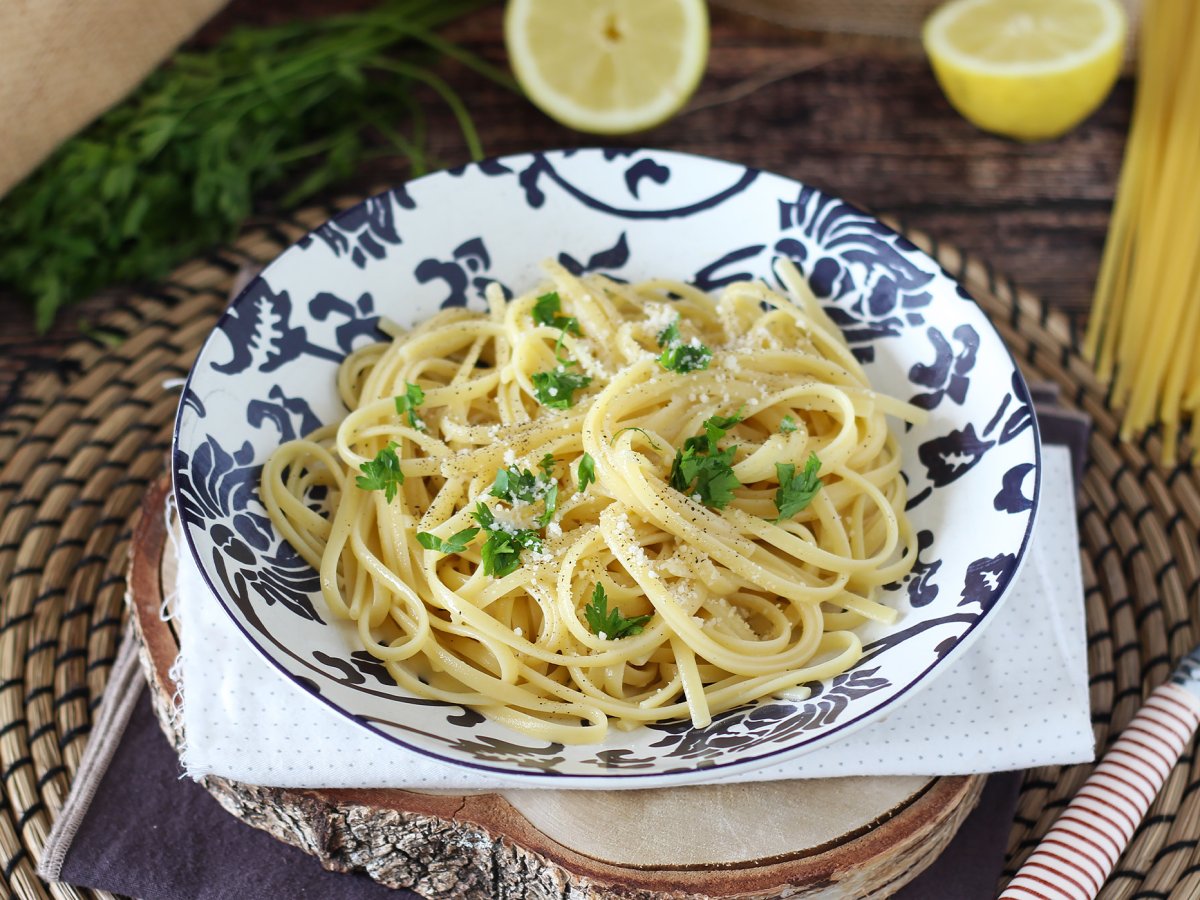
{"x":80,"y":446}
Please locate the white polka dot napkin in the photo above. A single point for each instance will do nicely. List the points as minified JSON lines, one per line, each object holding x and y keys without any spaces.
{"x":1017,"y":698}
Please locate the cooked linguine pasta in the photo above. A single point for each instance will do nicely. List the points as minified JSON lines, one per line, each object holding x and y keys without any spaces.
{"x":605,"y":504}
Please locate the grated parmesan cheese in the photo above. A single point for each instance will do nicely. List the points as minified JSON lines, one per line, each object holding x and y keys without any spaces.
{"x":659,"y":317}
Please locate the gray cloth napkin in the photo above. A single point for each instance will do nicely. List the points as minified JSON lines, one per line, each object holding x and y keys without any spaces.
{"x":168,"y":839}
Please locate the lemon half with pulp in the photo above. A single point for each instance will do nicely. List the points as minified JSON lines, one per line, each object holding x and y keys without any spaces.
{"x":607,"y":66}
{"x":1028,"y":69}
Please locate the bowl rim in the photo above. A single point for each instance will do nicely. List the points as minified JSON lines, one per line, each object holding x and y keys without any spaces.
{"x":697,"y":770}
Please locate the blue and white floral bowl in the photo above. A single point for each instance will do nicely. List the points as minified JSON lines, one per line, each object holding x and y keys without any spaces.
{"x":266,"y":375}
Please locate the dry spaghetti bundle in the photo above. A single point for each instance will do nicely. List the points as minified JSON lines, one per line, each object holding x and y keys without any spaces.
{"x":1145,"y":323}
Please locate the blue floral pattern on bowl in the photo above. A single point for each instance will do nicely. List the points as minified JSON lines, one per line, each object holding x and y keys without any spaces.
{"x":266,"y":375}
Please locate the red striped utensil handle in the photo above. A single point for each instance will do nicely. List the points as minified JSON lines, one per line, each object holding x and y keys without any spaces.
{"x":1076,"y":856}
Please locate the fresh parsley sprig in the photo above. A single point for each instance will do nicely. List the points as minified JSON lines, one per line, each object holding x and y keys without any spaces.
{"x":556,"y":389}
{"x":702,"y":471}
{"x":456,"y":543}
{"x":271,"y":113}
{"x":501,"y":552}
{"x":382,"y":473}
{"x":678,"y":356}
{"x":408,"y":403}
{"x":796,"y":491}
{"x":610,"y":625}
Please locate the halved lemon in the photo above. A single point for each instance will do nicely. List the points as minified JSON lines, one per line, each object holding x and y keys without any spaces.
{"x":1028,"y":69}
{"x":607,"y":66}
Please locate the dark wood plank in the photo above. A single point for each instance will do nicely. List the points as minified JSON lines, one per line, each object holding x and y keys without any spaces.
{"x":861,"y":119}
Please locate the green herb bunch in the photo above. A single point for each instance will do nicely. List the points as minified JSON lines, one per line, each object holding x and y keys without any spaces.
{"x":177,"y":167}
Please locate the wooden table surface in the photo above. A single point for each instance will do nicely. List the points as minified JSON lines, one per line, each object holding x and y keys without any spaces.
{"x":862,"y":119}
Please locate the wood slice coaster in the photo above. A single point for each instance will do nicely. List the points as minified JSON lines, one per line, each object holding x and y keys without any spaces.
{"x":834,"y":838}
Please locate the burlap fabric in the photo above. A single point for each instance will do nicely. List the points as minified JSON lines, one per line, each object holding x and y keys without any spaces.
{"x":64,"y":62}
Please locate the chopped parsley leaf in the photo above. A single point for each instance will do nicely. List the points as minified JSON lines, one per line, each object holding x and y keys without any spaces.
{"x":610,"y":625}
{"x":551,"y":500}
{"x":788,"y":425}
{"x":556,"y":389}
{"x":484,"y":516}
{"x":545,"y":312}
{"x":457,"y":543}
{"x":715,"y":427}
{"x":686,"y":358}
{"x":703,"y":472}
{"x":501,"y":552}
{"x":708,"y":478}
{"x":382,"y":473}
{"x":513,"y":484}
{"x":587,"y":472}
{"x":413,"y":397}
{"x":678,"y":356}
{"x":796,"y":491}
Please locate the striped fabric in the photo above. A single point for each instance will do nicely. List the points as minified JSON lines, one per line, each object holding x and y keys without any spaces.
{"x":1081,"y":849}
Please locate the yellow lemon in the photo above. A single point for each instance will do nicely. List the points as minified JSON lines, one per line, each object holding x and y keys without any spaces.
{"x":607,"y":66}
{"x":1027,"y":69}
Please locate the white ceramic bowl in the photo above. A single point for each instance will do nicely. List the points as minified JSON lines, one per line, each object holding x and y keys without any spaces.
{"x":266,"y":374}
